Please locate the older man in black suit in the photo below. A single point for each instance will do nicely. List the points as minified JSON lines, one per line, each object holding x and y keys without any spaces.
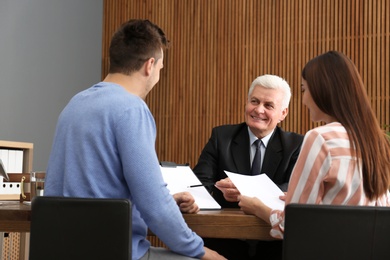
{"x":232,"y":148}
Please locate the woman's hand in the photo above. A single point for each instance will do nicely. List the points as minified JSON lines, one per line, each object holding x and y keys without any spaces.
{"x":283,"y":197}
{"x":254,"y":206}
{"x":229,"y":190}
{"x":186,"y":202}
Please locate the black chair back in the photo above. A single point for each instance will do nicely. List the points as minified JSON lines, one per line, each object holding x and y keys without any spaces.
{"x":336,"y":232}
{"x":80,"y":228}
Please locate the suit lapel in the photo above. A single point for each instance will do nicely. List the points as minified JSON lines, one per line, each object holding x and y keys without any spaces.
{"x":273,"y":155}
{"x":240,"y":151}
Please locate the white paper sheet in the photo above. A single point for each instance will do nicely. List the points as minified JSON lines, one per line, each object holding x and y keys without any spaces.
{"x":179,"y":178}
{"x":259,"y":186}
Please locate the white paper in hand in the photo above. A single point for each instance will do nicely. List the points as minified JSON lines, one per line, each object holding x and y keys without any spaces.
{"x":259,"y":186}
{"x":179,"y":178}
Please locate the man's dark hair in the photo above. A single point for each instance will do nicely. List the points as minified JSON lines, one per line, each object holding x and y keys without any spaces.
{"x":133,"y":44}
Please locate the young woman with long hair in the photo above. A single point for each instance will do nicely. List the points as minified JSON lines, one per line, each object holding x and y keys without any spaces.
{"x":344,"y":162}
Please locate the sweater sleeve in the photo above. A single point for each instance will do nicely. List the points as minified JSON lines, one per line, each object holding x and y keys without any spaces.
{"x":136,"y":133}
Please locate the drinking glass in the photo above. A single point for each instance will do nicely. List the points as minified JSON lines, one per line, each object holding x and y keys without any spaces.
{"x":37,"y":179}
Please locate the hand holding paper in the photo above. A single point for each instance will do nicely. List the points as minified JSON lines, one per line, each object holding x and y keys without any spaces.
{"x":180,"y":178}
{"x":229,"y":190}
{"x":259,"y":186}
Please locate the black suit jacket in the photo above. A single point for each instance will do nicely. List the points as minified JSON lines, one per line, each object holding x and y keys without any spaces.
{"x":228,"y":149}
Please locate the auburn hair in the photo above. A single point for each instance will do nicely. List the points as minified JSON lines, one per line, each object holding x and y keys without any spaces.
{"x":338,"y":90}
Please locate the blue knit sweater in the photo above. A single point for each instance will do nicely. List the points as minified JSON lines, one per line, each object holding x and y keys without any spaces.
{"x":104,"y":147}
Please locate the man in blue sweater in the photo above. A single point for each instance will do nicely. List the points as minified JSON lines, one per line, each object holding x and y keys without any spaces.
{"x":104,"y":147}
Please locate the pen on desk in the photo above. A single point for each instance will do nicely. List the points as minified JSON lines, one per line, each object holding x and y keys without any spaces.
{"x":200,"y":185}
{"x":193,"y":186}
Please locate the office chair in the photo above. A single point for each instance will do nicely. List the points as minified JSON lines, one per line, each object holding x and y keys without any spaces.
{"x":336,"y":232}
{"x":80,"y":228}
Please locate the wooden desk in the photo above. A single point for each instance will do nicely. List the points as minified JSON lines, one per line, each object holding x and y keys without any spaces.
{"x":16,"y":217}
{"x":226,"y":223}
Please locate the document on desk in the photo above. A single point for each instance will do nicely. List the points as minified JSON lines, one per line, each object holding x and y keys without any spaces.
{"x":179,"y":179}
{"x":259,"y":186}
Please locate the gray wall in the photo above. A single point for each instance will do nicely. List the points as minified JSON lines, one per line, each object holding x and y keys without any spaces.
{"x":49,"y":51}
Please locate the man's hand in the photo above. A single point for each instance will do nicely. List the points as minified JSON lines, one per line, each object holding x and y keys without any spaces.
{"x":186,"y":202}
{"x":230,"y":192}
{"x":212,"y":255}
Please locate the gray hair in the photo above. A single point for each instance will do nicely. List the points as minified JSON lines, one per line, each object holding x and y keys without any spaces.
{"x":273,"y":82}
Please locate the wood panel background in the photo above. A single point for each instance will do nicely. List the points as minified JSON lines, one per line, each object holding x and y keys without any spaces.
{"x":218,"y":47}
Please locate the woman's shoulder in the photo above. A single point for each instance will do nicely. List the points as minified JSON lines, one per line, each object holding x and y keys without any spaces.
{"x":329,"y":133}
{"x":331,"y":128}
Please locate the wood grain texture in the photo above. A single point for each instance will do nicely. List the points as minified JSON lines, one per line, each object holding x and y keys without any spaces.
{"x":218,"y":47}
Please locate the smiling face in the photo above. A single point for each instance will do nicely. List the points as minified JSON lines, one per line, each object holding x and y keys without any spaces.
{"x":263,"y":110}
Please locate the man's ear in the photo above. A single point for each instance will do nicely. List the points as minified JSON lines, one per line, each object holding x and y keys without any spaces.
{"x":284,"y":114}
{"x":149,"y":66}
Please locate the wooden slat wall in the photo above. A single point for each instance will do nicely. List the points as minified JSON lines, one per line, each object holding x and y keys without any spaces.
{"x":218,"y":47}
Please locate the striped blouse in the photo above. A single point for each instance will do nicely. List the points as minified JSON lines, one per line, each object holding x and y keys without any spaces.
{"x":325,"y":173}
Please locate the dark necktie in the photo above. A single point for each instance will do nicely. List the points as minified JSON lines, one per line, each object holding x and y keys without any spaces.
{"x":257,"y":159}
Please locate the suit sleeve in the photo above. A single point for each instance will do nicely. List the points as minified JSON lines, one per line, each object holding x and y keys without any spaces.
{"x":207,"y":166}
{"x":294,"y":143}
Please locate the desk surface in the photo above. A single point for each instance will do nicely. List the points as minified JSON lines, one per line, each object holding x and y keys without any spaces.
{"x":14,"y":216}
{"x":226,"y":223}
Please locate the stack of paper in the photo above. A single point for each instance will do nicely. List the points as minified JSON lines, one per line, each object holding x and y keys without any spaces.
{"x":179,"y":179}
{"x":12,"y":160}
{"x":8,"y":190}
{"x":259,"y":186}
